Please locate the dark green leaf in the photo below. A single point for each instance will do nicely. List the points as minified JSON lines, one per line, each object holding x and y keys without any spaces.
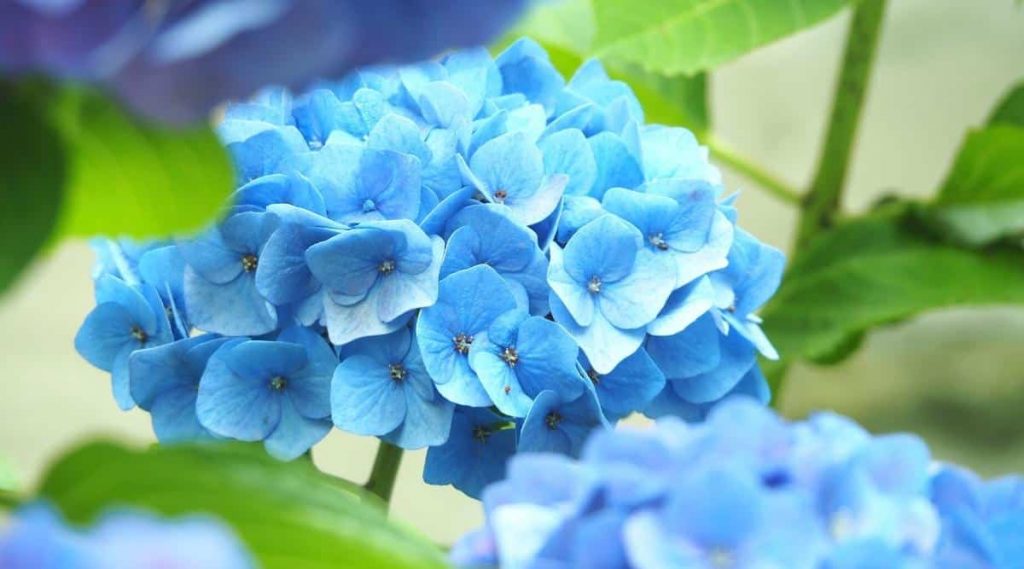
{"x":32,"y":180}
{"x":1011,"y":108}
{"x":128,"y":177}
{"x":982,"y":199}
{"x":288,"y":514}
{"x":877,"y":270}
{"x":688,"y":36}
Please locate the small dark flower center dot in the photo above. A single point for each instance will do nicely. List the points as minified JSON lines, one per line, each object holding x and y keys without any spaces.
{"x":594,"y":286}
{"x":510,"y":355}
{"x":139,"y":334}
{"x":386,"y":267}
{"x":397,"y":372}
{"x":462,"y":343}
{"x":595,"y":377}
{"x":658,"y":240}
{"x":481,"y":433}
{"x":278,"y":383}
{"x":500,"y":196}
{"x":508,"y":389}
{"x":250,"y":262}
{"x":552,"y":420}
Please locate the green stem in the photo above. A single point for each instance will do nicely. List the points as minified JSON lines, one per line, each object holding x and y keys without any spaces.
{"x":385,"y":470}
{"x":820,"y":206}
{"x":741,"y":165}
{"x":9,"y":501}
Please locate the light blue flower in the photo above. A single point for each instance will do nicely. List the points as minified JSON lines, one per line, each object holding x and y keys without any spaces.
{"x":479,"y":445}
{"x":560,"y":424}
{"x":520,"y":356}
{"x":468,"y":302}
{"x":668,"y":403}
{"x":165,"y":382}
{"x":125,"y":319}
{"x":374,"y":276}
{"x":485,"y":235}
{"x":633,"y":383}
{"x":608,"y":286}
{"x":277,"y":392}
{"x":381,"y":388}
{"x":674,"y":153}
{"x":526,"y":69}
{"x":361,"y":185}
{"x":220,"y":287}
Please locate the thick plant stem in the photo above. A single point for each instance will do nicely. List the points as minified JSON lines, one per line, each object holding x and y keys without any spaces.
{"x":385,"y":470}
{"x":739,"y":164}
{"x":821,"y":204}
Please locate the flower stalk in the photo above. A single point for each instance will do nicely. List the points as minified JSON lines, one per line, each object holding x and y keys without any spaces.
{"x":385,"y":471}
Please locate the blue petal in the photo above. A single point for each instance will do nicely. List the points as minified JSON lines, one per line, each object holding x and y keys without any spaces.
{"x":683,"y":307}
{"x":208,"y":255}
{"x":694,"y":351}
{"x":605,"y":248}
{"x":604,"y":344}
{"x":365,"y":399}
{"x":234,"y":308}
{"x":402,"y":291}
{"x":106,"y":332}
{"x":738,"y":356}
{"x":309,"y":387}
{"x":230,"y":405}
{"x":637,"y":299}
{"x":294,"y":434}
{"x":267,"y":152}
{"x":294,"y":189}
{"x":525,"y":69}
{"x":567,"y":152}
{"x":398,"y":133}
{"x":474,"y":455}
{"x":427,"y":422}
{"x":630,"y":386}
{"x":616,"y":166}
{"x":577,"y":211}
{"x":717,"y":508}
{"x":673,"y":152}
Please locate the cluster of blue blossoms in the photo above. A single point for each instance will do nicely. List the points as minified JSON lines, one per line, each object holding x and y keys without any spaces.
{"x":471,"y":255}
{"x":37,"y":538}
{"x":745,"y":489}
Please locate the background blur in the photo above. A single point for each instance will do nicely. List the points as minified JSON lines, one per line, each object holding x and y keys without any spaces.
{"x":956,"y":377}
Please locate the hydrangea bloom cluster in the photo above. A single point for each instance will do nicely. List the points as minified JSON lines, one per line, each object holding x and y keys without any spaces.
{"x":176,"y":59}
{"x":471,"y":255}
{"x":746,"y":489}
{"x":37,"y":538}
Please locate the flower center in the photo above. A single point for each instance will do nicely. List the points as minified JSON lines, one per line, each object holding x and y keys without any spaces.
{"x":386,"y":267}
{"x":720,"y":558}
{"x":481,"y":433}
{"x":552,"y":420}
{"x":658,"y":240}
{"x":500,"y":196}
{"x":139,"y":334}
{"x":369,"y":205}
{"x":510,"y":355}
{"x":462,"y":343}
{"x":278,"y":383}
{"x":397,"y":372}
{"x":595,"y":377}
{"x":594,"y":286}
{"x":250,"y":262}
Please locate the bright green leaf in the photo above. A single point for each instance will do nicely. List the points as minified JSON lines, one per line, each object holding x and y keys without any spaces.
{"x":877,"y":270}
{"x":1011,"y":109}
{"x":133,"y":178}
{"x":288,"y":514}
{"x":982,"y":199}
{"x":688,"y":36}
{"x":32,"y":179}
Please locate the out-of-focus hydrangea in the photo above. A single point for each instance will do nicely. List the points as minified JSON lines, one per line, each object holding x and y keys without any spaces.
{"x":470,"y":255}
{"x":37,"y":538}
{"x":176,"y":59}
{"x":746,"y":489}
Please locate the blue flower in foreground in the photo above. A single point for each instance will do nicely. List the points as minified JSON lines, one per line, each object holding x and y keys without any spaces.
{"x":272,"y":391}
{"x":519,"y":356}
{"x":374,"y":276}
{"x":746,"y":489}
{"x":608,"y":286}
{"x":165,"y":382}
{"x":479,"y":445}
{"x":557,"y":424}
{"x":381,"y":388}
{"x":126,"y":318}
{"x":37,"y":538}
{"x":468,"y":303}
{"x":178,"y":62}
{"x":220,"y":276}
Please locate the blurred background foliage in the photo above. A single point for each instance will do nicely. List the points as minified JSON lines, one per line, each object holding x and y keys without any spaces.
{"x":954,"y":375}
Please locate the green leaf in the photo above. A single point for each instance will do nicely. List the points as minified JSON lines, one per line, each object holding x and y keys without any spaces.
{"x":129,"y":177}
{"x":1011,"y":109}
{"x":689,"y":36}
{"x":982,"y":199}
{"x":288,"y":514}
{"x":876,"y":270}
{"x":32,"y":179}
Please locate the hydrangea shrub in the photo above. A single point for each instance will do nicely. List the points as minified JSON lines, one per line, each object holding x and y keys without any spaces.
{"x":471,"y":255}
{"x":747,"y":489}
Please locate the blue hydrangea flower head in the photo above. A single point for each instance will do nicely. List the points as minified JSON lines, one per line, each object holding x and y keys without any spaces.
{"x":37,"y":538}
{"x":468,"y":254}
{"x":745,"y":489}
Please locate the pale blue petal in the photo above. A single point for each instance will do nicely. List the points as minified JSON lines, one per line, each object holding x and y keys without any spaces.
{"x":235,"y":308}
{"x":294,"y":434}
{"x":636,"y":300}
{"x":365,"y":399}
{"x":604,"y":344}
{"x":683,"y":307}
